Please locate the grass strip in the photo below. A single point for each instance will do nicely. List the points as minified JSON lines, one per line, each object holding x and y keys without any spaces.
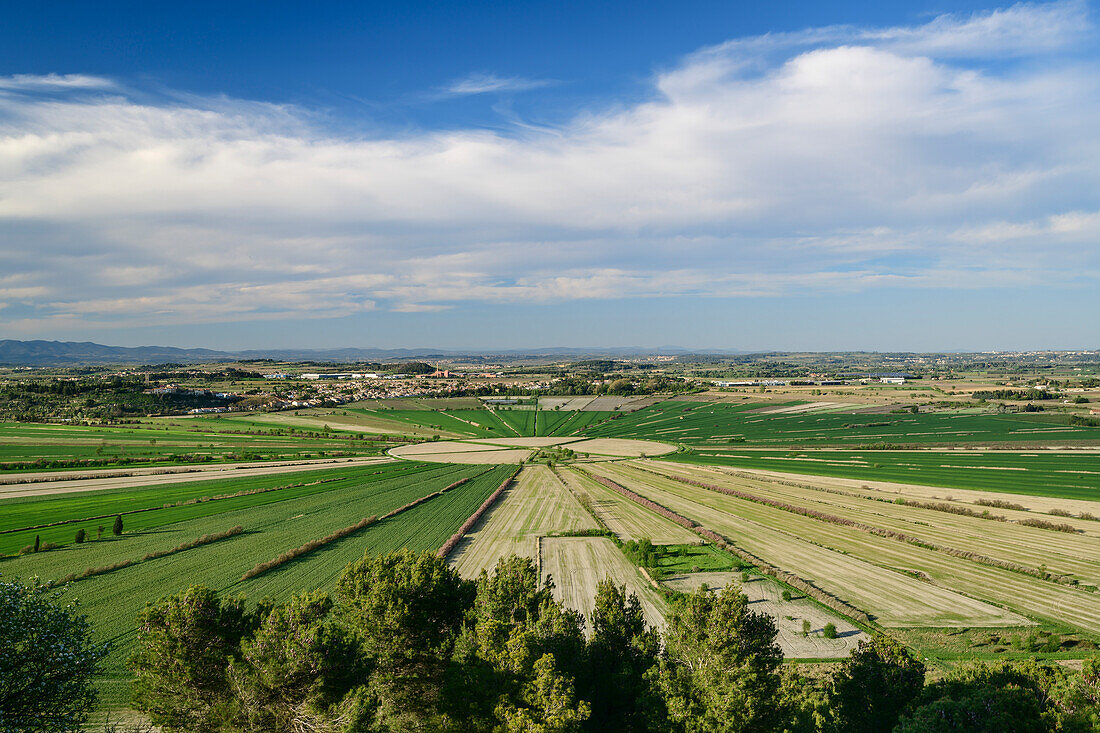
{"x":206,"y":539}
{"x":182,"y":502}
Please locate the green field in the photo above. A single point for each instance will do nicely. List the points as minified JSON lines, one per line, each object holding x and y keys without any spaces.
{"x":112,"y":600}
{"x":743,"y":423}
{"x":694,"y":559}
{"x":147,"y":507}
{"x":1065,"y":475}
{"x":499,"y":423}
{"x":22,"y":445}
{"x":568,"y":422}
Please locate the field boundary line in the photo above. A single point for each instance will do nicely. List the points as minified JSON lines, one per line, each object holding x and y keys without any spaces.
{"x":449,"y":546}
{"x":585,"y":501}
{"x":766,"y":477}
{"x":177,"y":504}
{"x":822,"y":596}
{"x":313,"y":545}
{"x":211,"y":467}
{"x":103,"y":569}
{"x":877,"y":531}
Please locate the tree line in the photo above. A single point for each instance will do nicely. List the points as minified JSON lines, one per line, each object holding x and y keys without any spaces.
{"x":405,"y":644}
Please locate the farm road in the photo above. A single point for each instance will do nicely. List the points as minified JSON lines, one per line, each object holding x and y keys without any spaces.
{"x":40,"y":484}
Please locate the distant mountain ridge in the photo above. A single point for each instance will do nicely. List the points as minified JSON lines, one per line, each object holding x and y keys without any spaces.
{"x":75,"y":353}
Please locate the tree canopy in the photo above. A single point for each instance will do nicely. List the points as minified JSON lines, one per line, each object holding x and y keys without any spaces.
{"x":47,"y":661}
{"x":405,"y":644}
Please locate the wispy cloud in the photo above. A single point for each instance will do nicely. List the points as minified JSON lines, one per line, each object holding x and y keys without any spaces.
{"x":481,"y":83}
{"x":833,"y":160}
{"x":42,"y":82}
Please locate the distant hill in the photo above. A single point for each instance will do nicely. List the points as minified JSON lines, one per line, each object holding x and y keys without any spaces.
{"x":74,"y":353}
{"x":66,"y":353}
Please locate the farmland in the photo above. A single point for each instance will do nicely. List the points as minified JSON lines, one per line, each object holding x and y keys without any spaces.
{"x":1064,"y":474}
{"x":536,"y":515}
{"x":425,"y":418}
{"x":113,"y":599}
{"x":893,"y":598}
{"x":153,"y":505}
{"x":915,"y":525}
{"x":747,"y":423}
{"x":766,"y":597}
{"x":518,"y":450}
{"x":577,"y":564}
{"x":623,"y":517}
{"x":28,"y":446}
{"x":536,"y":505}
{"x":899,"y":582}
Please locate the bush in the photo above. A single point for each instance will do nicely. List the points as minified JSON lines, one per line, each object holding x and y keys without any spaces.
{"x":1001,"y":504}
{"x":117,"y":528}
{"x":829,"y":632}
{"x":786,"y":595}
{"x":1043,"y":524}
{"x":80,"y":535}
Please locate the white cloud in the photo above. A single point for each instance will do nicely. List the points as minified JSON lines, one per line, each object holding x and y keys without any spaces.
{"x":481,"y":83}
{"x":1020,"y":30}
{"x":834,"y":160}
{"x":45,"y":82}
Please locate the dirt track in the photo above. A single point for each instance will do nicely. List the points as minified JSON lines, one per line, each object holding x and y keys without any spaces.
{"x":42,"y":484}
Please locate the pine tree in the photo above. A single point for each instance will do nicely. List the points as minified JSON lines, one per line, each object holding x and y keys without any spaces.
{"x":80,"y":536}
{"x":37,"y":542}
{"x":117,"y":529}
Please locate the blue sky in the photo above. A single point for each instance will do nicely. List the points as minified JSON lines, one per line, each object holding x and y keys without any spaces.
{"x":892,"y":176}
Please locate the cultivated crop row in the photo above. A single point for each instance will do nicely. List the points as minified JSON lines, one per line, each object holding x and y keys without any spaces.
{"x":1041,"y":553}
{"x":777,"y":535}
{"x":891,"y":597}
{"x":206,"y":539}
{"x":112,"y":600}
{"x":819,"y":594}
{"x":184,"y":500}
{"x":341,"y":533}
{"x":536,"y":504}
{"x":474,"y":518}
{"x":876,"y":530}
